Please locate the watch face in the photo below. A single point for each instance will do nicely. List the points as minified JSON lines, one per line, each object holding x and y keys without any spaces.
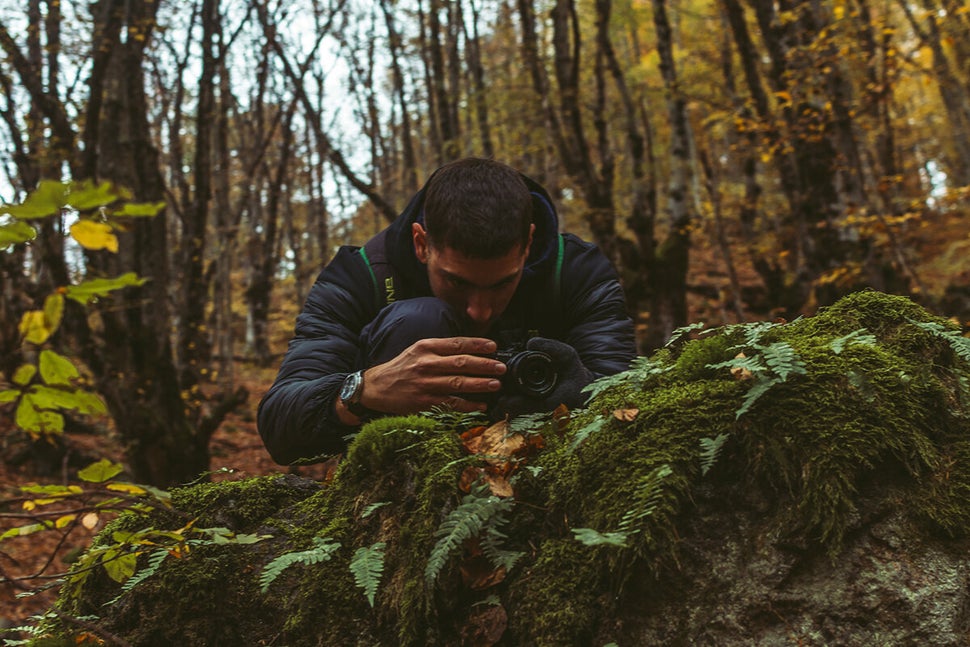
{"x":350,"y":387}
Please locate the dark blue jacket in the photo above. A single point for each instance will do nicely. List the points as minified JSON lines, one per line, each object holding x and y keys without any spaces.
{"x":296,"y":417}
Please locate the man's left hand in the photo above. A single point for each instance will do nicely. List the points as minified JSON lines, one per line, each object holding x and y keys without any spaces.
{"x":573,"y":377}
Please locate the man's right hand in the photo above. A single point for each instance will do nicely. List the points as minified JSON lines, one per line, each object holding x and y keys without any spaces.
{"x":434,"y":372}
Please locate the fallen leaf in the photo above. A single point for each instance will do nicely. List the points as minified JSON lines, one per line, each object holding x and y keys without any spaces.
{"x":626,"y":415}
{"x":469,"y":476}
{"x":739,"y":372}
{"x":498,"y":446}
{"x":486,"y":625}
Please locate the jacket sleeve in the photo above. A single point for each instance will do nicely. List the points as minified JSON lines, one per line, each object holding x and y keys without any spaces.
{"x":296,"y":418}
{"x":598,"y":324}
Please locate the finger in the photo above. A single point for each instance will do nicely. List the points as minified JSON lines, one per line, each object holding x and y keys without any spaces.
{"x":464,"y":384}
{"x":459,"y":345}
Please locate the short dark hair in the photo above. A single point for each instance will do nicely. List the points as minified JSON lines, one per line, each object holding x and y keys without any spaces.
{"x":477,"y":207}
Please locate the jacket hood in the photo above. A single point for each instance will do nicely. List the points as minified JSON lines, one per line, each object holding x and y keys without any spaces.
{"x":542,"y":254}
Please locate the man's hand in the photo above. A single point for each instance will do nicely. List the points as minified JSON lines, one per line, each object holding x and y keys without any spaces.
{"x":433,"y":372}
{"x":573,"y":377}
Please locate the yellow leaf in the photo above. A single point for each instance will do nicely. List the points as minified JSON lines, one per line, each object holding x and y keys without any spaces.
{"x":34,"y":327}
{"x":63,"y":521}
{"x":90,"y":520}
{"x":94,"y":235}
{"x":128,"y":488}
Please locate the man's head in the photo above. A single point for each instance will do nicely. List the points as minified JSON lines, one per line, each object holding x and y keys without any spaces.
{"x":475,"y":238}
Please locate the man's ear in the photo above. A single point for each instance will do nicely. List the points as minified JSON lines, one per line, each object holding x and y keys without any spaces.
{"x":528,"y":243}
{"x":420,"y":238}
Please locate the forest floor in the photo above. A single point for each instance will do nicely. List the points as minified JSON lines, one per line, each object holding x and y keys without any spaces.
{"x":237,"y":451}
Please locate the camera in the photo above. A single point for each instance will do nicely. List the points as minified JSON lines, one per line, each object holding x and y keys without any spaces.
{"x":529,"y":372}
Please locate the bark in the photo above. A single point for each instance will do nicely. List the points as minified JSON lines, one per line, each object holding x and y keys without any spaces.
{"x":409,"y":160}
{"x":669,"y":280}
{"x":479,"y":90}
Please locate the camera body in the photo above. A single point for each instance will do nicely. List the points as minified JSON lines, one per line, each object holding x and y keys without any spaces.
{"x":529,"y":372}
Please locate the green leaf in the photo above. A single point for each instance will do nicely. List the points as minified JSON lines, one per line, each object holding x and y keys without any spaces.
{"x":15,"y":233}
{"x":100,"y":472}
{"x":8,"y":395}
{"x":53,"y":310}
{"x":120,"y":566}
{"x":46,"y":397}
{"x":139,"y":209}
{"x":46,"y":200}
{"x":32,"y":419}
{"x":323,"y":549}
{"x":88,"y":291}
{"x":56,"y":369}
{"x":85,"y":195}
{"x":24,"y":374}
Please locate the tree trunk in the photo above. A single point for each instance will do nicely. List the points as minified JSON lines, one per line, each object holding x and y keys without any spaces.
{"x":669,"y":279}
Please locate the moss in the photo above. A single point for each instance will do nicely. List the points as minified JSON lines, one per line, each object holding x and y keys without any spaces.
{"x":881,"y":414}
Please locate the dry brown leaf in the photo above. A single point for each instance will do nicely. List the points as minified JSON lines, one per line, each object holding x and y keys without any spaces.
{"x":739,"y":372}
{"x":626,"y":415}
{"x":90,"y":520}
{"x":498,"y":446}
{"x":486,"y":625}
{"x":469,"y":476}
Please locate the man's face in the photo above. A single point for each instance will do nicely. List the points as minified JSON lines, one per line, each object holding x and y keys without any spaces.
{"x":479,"y":288}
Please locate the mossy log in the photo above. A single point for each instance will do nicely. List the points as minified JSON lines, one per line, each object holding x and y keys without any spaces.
{"x":771,"y":484}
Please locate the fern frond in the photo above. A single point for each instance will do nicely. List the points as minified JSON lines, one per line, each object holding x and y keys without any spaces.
{"x":492,"y":548}
{"x":590,"y":537}
{"x":323,"y":550}
{"x":710,"y":450}
{"x":475,"y":512}
{"x":367,"y":565}
{"x":683,"y":331}
{"x":586,"y":431}
{"x":959,"y":343}
{"x":782,"y":359}
{"x":154,"y":563}
{"x":760,"y":386}
{"x":860,"y":337}
{"x":645,"y":499}
{"x":369,"y":510}
{"x":754,"y":363}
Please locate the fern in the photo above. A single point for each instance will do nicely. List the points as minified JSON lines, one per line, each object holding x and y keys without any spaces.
{"x":682,"y":332}
{"x":590,"y":537}
{"x":641,"y":369}
{"x":477,"y":512}
{"x":782,"y":360}
{"x":645,"y":499}
{"x":586,"y":431}
{"x":710,"y":450}
{"x":760,"y":386}
{"x":369,"y":510}
{"x":860,"y":337}
{"x":771,"y":365}
{"x":492,"y":548}
{"x":367,"y":566}
{"x":154,"y":563}
{"x":323,"y":550}
{"x":959,"y":343}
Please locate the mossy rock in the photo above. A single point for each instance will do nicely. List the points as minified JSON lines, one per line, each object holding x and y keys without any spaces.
{"x":797,"y":483}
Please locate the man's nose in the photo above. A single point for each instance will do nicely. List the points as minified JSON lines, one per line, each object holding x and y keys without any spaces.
{"x":479,"y":307}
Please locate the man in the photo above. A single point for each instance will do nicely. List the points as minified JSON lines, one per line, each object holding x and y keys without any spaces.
{"x":474,"y":264}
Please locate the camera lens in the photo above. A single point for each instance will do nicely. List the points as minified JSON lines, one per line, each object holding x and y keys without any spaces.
{"x":532,"y":373}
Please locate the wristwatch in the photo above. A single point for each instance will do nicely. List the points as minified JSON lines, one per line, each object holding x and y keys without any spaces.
{"x":350,"y":394}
